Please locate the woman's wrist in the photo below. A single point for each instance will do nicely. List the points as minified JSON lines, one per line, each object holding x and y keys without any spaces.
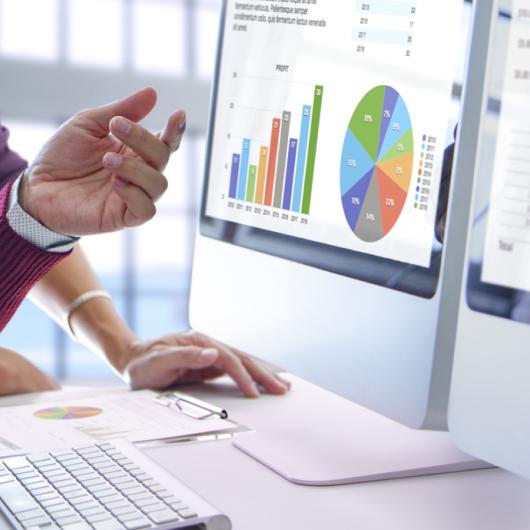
{"x":97,"y":325}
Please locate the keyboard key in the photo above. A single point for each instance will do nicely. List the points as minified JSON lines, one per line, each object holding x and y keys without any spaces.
{"x":17,"y":462}
{"x":46,"y":496}
{"x":30,"y":514}
{"x":142,"y":477}
{"x":116,"y":474}
{"x":121,"y":510}
{"x":145,"y":503}
{"x":178,"y":506}
{"x":44,"y":520}
{"x":167,"y":496}
{"x":53,"y":502}
{"x":64,"y":510}
{"x":55,"y":474}
{"x":44,"y":464}
{"x":97,"y":517}
{"x":108,"y":525}
{"x":76,"y":526}
{"x":135,"y":490}
{"x":82,"y":499}
{"x":17,"y":498}
{"x":105,"y":447}
{"x":38,"y":458}
{"x":116,"y":504}
{"x":137,"y":524}
{"x":164,"y":516}
{"x":131,"y":516}
{"x":141,"y":496}
{"x":187,"y":513}
{"x":70,"y":519}
{"x":6,"y":479}
{"x":95,"y":510}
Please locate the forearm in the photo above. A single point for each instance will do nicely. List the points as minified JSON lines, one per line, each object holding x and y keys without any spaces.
{"x":96,"y":323}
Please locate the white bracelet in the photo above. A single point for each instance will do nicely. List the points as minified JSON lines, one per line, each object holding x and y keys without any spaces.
{"x":78,"y":302}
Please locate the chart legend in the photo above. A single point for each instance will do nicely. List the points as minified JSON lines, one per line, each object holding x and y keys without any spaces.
{"x":377,"y":164}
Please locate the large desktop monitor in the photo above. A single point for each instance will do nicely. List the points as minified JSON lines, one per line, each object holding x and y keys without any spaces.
{"x":491,"y":393}
{"x":326,"y":245}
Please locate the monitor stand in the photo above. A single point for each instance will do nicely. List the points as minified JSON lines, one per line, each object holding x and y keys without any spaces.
{"x":369,"y":447}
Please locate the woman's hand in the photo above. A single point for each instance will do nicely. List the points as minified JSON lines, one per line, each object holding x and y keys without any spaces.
{"x":19,"y":376}
{"x":101,"y":171}
{"x":191,"y":357}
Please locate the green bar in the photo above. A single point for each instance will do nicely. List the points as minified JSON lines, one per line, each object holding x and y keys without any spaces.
{"x":251,"y":189}
{"x":312,"y":150}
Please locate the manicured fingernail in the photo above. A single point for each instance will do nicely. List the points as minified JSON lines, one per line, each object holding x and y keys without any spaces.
{"x":209,"y":354}
{"x":183,"y":125}
{"x":113,"y":160}
{"x":121,"y":125}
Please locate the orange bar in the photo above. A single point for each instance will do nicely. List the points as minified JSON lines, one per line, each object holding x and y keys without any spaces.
{"x":262,"y":170}
{"x":271,"y":171}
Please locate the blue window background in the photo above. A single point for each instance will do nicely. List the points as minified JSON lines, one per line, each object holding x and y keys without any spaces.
{"x":49,"y":51}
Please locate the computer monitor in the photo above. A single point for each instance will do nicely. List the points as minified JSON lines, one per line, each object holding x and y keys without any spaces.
{"x":491,"y":393}
{"x":323,"y":216}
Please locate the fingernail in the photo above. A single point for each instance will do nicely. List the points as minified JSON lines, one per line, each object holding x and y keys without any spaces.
{"x":256,"y":389}
{"x":121,"y":125}
{"x":113,"y":160}
{"x":209,"y":354}
{"x":183,"y":125}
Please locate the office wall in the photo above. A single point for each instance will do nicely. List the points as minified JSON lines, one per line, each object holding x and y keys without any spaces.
{"x":58,"y":56}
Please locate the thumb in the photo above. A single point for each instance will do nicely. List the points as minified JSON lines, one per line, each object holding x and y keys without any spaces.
{"x":134,"y":107}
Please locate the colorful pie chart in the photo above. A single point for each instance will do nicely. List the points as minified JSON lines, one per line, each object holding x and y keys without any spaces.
{"x":68,"y":413}
{"x":377,"y":164}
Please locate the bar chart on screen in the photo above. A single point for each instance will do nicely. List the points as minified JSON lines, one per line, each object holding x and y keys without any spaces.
{"x":276,"y":173}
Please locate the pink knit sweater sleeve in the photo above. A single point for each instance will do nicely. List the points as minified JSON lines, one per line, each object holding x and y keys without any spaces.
{"x":22,"y":264}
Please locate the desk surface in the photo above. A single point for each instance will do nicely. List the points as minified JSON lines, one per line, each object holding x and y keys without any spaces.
{"x":256,"y":498}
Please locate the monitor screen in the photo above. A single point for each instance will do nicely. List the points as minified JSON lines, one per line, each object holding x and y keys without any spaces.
{"x":332,"y":134}
{"x":499,"y":269}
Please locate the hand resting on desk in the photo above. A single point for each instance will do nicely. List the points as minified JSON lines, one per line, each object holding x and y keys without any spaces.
{"x":191,"y":358}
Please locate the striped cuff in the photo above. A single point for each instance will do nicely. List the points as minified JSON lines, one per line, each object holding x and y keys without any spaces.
{"x":31,"y":230}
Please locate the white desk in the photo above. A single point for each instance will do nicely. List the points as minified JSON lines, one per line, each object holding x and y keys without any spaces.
{"x":257,"y":499}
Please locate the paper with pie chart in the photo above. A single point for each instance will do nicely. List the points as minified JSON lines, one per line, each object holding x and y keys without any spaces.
{"x":108,"y":415}
{"x":377,"y":164}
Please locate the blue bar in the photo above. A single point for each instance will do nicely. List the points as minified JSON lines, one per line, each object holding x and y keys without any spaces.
{"x":288,"y":192}
{"x":302,"y":158}
{"x":233,"y":177}
{"x":243,"y":171}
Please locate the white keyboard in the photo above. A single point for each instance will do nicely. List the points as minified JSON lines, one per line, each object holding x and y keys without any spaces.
{"x":98,"y":487}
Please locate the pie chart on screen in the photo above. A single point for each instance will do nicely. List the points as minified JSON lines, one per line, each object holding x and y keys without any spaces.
{"x":377,"y":164}
{"x":68,"y":413}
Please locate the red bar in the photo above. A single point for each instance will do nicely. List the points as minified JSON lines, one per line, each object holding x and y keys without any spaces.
{"x":273,"y":155}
